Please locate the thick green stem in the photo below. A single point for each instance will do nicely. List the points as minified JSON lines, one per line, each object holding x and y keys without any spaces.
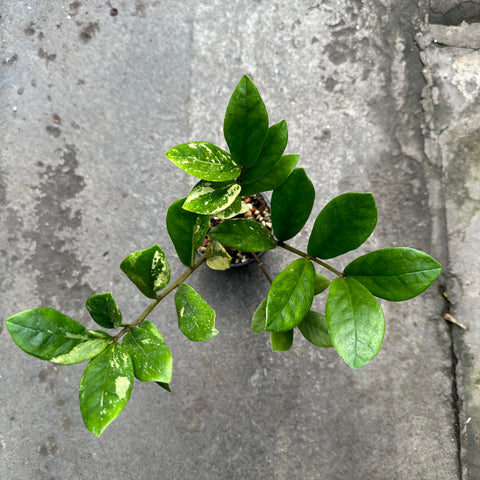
{"x":309,"y":257}
{"x":162,"y":295}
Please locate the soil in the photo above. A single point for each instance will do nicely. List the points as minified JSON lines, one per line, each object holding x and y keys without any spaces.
{"x":258,"y":210}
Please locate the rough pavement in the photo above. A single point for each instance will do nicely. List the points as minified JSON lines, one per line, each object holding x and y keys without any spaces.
{"x":375,"y":98}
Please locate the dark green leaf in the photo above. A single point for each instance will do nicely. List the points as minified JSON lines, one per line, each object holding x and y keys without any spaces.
{"x":105,"y":388}
{"x":148,"y":269}
{"x":281,"y":341}
{"x":290,"y":296}
{"x":165,"y":386}
{"x":272,"y":151}
{"x":196,"y":318}
{"x":50,"y":335}
{"x":321,"y":283}
{"x":152,"y":359}
{"x":246,"y":123}
{"x":395,"y":274}
{"x":343,"y":225}
{"x":292,"y":204}
{"x":314,"y":328}
{"x":204,"y":160}
{"x":355,"y":321}
{"x":259,"y":320}
{"x":208,"y":198}
{"x":274,"y":178}
{"x":217,"y":257}
{"x":187,"y":231}
{"x":104,"y":310}
{"x":243,"y":234}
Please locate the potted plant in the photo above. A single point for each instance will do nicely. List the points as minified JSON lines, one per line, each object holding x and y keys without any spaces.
{"x":353,"y":322}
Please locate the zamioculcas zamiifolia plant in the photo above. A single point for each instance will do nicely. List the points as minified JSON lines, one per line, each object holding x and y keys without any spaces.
{"x":353,"y":322}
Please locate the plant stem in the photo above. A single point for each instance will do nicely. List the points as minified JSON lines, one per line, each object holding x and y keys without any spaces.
{"x":309,"y":257}
{"x":262,"y":267}
{"x":162,"y":295}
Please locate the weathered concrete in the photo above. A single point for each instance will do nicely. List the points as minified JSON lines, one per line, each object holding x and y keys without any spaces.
{"x":452,"y":97}
{"x":90,"y":102}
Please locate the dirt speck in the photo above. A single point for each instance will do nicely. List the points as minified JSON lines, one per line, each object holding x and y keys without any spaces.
{"x":140,"y":10}
{"x":88,"y":32}
{"x":49,"y":446}
{"x":10,"y":60}
{"x":49,"y":57}
{"x":56,"y":119}
{"x":74,"y":8}
{"x":53,"y":131}
{"x":29,"y":31}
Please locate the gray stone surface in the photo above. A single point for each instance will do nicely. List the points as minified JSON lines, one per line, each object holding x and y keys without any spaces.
{"x":88,"y":105}
{"x":452,"y":97}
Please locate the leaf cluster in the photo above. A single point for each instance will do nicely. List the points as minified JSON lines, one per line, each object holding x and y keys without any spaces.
{"x":353,"y":322}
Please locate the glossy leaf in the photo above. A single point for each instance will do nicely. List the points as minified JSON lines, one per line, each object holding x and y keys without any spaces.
{"x":196,"y":318}
{"x":208,"y":198}
{"x":246,"y":123}
{"x":50,"y":335}
{"x":217,"y":257}
{"x":292,"y":204}
{"x":395,"y":274}
{"x":236,"y":208}
{"x":321,"y":283}
{"x":281,"y":341}
{"x":355,"y":321}
{"x":152,"y":359}
{"x":204,"y":160}
{"x":272,"y":151}
{"x":314,"y":328}
{"x":105,"y":387}
{"x":290,"y":296}
{"x":343,"y":225}
{"x":103,"y":309}
{"x":148,"y":269}
{"x":274,"y":178}
{"x":259,"y":320}
{"x":243,"y":234}
{"x":187,"y":231}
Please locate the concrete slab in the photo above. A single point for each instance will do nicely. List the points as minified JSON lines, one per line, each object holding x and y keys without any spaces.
{"x":89,"y":104}
{"x":452,"y":97}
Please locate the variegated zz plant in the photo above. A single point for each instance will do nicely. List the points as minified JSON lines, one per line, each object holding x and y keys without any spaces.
{"x":353,"y":322}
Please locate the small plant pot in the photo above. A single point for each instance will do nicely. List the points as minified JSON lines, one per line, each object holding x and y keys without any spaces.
{"x":260,"y":212}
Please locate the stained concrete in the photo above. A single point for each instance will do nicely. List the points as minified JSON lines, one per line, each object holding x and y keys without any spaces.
{"x":90,"y":102}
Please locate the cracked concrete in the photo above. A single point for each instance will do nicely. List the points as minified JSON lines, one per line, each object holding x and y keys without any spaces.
{"x":376,"y":99}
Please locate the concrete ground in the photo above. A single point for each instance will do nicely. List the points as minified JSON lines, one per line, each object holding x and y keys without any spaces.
{"x":377,"y":98}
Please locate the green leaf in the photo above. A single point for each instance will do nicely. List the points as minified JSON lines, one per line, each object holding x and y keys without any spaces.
{"x":314,"y":328}
{"x":148,"y":269}
{"x":274,"y":178}
{"x":355,"y":321}
{"x":246,"y":123}
{"x":290,"y":296}
{"x":187,"y":231}
{"x":165,"y":386}
{"x":105,"y":388}
{"x":104,"y":310}
{"x":217,"y":257}
{"x":243,"y":234}
{"x":272,"y":151}
{"x":259,"y":320}
{"x":395,"y":274}
{"x":343,"y":225}
{"x":236,"y":208}
{"x":196,"y":318}
{"x":152,"y":359}
{"x":281,"y":341}
{"x":208,"y":198}
{"x":292,"y":204}
{"x":50,"y":335}
{"x":204,"y":160}
{"x":321,"y":283}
